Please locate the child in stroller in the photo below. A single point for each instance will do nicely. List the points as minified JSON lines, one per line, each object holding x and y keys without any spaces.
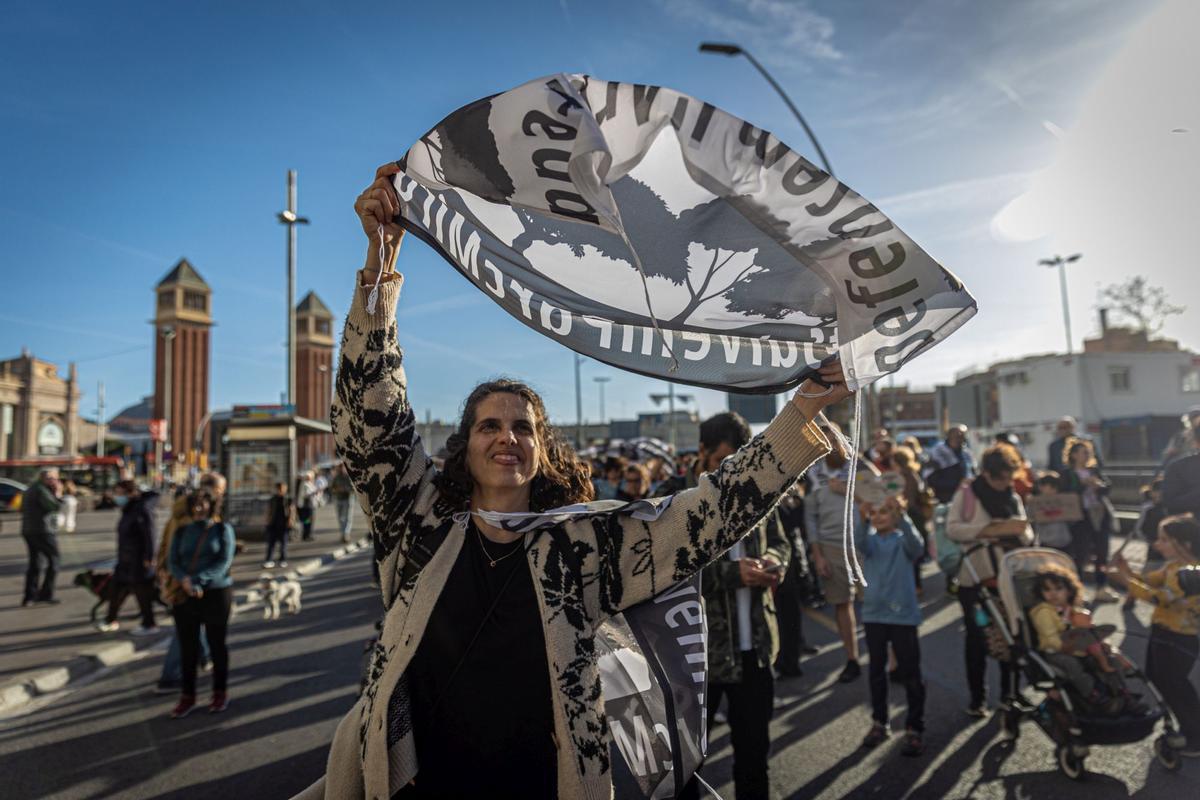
{"x":1068,"y":641}
{"x":1069,"y":723}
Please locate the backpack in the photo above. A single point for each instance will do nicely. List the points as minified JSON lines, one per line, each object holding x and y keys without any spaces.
{"x":949,"y":554}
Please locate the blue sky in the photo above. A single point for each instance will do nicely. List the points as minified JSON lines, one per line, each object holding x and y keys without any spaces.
{"x":134,"y":133}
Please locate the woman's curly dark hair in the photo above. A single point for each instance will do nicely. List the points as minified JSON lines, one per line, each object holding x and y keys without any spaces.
{"x":562,"y":477}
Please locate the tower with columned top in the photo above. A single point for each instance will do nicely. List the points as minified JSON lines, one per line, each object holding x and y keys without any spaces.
{"x":182,"y":319}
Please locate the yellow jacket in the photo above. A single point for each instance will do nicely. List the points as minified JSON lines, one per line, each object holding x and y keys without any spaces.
{"x":1172,"y":610}
{"x":1049,"y":625}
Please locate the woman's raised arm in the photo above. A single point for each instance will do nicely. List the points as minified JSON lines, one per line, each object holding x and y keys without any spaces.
{"x":373,"y":424}
{"x":640,"y":559}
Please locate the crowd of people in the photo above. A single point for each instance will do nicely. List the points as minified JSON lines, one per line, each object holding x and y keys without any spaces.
{"x":755,"y":595}
{"x":184,"y":569}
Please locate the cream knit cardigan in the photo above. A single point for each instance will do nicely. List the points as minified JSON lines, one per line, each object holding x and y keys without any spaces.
{"x":584,"y":570}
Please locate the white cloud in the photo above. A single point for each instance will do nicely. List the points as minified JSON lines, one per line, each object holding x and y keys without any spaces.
{"x":786,"y":31}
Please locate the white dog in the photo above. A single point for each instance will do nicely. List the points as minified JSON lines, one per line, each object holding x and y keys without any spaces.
{"x":277,"y":592}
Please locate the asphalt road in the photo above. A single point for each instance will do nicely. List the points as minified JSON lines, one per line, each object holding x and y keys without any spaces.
{"x":293,"y":679}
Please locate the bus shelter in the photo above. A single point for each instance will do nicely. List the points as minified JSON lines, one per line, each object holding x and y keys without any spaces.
{"x":259,"y":452}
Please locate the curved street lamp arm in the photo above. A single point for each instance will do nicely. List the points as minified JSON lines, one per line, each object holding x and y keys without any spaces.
{"x":795,"y":111}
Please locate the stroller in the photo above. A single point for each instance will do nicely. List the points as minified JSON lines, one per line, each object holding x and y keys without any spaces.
{"x":1060,"y":714}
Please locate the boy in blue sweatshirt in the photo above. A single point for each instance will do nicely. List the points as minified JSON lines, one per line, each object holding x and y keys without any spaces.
{"x":888,"y":546}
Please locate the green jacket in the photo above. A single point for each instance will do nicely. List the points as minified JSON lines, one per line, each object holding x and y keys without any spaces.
{"x":719,"y":583}
{"x":37,"y":504}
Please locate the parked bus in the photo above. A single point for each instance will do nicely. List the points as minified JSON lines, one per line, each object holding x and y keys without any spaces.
{"x":94,"y":475}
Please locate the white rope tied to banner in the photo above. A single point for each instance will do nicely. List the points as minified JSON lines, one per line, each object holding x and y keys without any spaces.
{"x":849,"y":512}
{"x":373,"y":297}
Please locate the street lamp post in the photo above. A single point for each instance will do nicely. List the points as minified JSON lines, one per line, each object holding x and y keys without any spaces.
{"x":670,"y":397}
{"x":728,"y":49}
{"x":600,"y":381}
{"x":168,"y":353}
{"x":288,"y":217}
{"x":1061,"y":263}
{"x":578,"y":403}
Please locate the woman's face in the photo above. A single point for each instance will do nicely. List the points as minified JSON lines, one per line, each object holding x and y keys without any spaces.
{"x":1000,"y":481}
{"x":201,"y":509}
{"x":633,"y":483}
{"x":1078,"y":457}
{"x":503,"y":451}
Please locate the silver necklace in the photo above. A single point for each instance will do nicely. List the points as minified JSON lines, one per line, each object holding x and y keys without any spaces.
{"x":492,"y":561}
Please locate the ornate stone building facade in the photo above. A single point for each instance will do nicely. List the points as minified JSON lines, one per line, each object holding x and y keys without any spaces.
{"x":39,"y":411}
{"x":182,"y":319}
{"x":314,"y":376}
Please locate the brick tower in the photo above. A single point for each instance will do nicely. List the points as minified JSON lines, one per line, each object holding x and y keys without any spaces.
{"x":182,"y":319}
{"x":314,"y":376}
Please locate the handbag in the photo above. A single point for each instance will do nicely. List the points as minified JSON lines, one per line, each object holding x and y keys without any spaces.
{"x":175,"y":595}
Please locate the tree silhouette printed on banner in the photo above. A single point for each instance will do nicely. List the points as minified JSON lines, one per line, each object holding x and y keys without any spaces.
{"x":691,"y":250}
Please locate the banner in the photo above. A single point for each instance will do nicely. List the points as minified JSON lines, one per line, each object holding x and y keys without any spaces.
{"x":653,"y":666}
{"x":658,"y":234}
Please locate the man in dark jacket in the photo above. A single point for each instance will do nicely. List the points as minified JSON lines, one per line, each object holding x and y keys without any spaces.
{"x":38,"y":505}
{"x":134,"y":573}
{"x":743,"y":635}
{"x":1181,"y":484}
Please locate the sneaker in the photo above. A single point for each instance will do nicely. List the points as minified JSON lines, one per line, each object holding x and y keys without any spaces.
{"x":166,"y":687}
{"x":283,"y":565}
{"x":914,"y":744}
{"x":978,"y":711}
{"x":219,"y":702}
{"x":205,"y":666}
{"x":268,"y":565}
{"x":876,"y":736}
{"x":108,"y":627}
{"x":184,"y":707}
{"x":850,"y":673}
{"x":1104,"y":595}
{"x":151,"y":631}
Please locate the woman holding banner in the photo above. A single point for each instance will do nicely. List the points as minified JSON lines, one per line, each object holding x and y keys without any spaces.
{"x":485,"y":679}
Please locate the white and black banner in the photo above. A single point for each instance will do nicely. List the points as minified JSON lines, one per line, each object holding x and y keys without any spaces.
{"x":592,"y":211}
{"x":653,"y":660}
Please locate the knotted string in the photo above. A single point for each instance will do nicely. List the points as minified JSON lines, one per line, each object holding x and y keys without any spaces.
{"x":373,"y":297}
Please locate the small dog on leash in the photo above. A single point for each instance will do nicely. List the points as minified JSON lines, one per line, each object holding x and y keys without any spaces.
{"x":277,"y":592}
{"x":99,"y":583}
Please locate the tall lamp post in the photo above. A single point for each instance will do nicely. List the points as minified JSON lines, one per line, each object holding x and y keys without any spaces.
{"x":671,"y":397}
{"x":1061,"y":263}
{"x":289,"y":217}
{"x":578,"y":403}
{"x":600,"y":381}
{"x":728,"y":49}
{"x":168,"y":353}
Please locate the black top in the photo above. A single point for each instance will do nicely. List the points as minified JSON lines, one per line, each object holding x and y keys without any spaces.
{"x":491,"y":733}
{"x":135,"y":540}
{"x":277,"y":513}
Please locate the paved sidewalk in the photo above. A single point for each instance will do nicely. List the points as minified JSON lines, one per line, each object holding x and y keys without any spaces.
{"x":45,"y":637}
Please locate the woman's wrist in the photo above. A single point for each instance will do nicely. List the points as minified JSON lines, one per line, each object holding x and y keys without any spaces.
{"x":809,"y":407}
